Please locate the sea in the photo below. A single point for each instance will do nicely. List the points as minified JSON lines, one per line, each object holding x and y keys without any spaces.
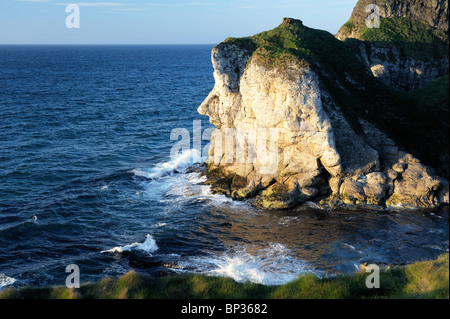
{"x":89,"y":177}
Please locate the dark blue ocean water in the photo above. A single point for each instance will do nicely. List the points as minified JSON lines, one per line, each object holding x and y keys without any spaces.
{"x":86,"y":178}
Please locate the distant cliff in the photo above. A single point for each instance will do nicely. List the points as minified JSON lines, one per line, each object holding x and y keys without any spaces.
{"x":302,"y":116}
{"x":433,"y":13}
{"x":410,"y":47}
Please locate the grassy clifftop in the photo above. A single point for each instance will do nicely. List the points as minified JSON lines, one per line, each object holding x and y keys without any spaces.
{"x":432,"y":13}
{"x":427,"y":279}
{"x":292,"y":42}
{"x":412,"y":38}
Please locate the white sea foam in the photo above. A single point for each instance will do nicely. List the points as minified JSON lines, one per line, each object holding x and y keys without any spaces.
{"x":349,"y":246}
{"x":273,"y":265}
{"x":436,"y":247}
{"x":178,"y":163}
{"x":180,"y":188}
{"x":149,"y":246}
{"x":6,"y":281}
{"x":158,"y":225}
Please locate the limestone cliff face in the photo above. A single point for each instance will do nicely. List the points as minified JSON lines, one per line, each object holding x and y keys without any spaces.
{"x":247,"y":98}
{"x":282,"y":139}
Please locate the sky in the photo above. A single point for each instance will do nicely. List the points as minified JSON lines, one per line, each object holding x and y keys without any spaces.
{"x":160,"y":21}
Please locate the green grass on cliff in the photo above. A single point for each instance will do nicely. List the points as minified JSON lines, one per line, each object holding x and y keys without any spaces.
{"x":427,"y":279}
{"x":412,"y":38}
{"x":293,"y":42}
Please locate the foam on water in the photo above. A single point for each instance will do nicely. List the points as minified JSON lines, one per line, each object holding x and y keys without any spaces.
{"x":149,"y":246}
{"x":5,"y":281}
{"x":169,"y":183}
{"x":190,"y":187}
{"x":158,"y":225}
{"x":177,"y":163}
{"x":274,"y":265}
{"x":13,"y":225}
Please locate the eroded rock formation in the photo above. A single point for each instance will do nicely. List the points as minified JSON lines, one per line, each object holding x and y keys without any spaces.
{"x":283,"y":136}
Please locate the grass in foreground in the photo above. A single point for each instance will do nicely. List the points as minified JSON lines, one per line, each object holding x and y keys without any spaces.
{"x":427,"y":279}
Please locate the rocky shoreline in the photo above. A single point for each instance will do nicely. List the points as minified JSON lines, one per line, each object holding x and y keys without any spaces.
{"x":407,"y":185}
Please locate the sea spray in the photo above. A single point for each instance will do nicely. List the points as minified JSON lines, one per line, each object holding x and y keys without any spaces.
{"x":149,"y":246}
{"x":177,"y":164}
{"x":273,"y":265}
{"x":5,"y":281}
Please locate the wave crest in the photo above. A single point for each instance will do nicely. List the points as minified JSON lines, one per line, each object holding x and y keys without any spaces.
{"x":149,"y":246}
{"x":177,"y":163}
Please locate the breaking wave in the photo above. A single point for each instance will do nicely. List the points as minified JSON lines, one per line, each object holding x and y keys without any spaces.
{"x":273,"y":265}
{"x":149,"y":246}
{"x":5,"y":281}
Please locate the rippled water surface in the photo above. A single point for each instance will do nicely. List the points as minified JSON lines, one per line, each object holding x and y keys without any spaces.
{"x":86,"y":178}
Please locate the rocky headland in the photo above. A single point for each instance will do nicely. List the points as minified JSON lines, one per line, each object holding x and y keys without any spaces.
{"x":360,"y":118}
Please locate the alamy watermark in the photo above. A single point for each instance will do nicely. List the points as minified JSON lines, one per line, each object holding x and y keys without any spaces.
{"x":373,"y":280}
{"x":373,"y":19}
{"x":73,"y":19}
{"x":258,"y":146}
{"x":73,"y":280}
